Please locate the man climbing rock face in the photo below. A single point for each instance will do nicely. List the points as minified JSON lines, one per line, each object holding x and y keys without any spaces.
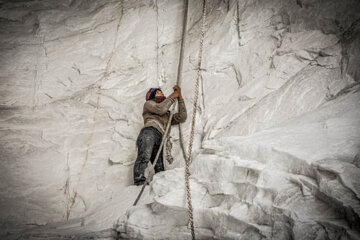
{"x":156,"y":116}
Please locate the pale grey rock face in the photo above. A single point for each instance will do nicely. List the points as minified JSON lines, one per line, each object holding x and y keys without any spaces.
{"x":276,"y":152}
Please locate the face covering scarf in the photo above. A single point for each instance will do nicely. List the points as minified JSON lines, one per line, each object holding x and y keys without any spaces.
{"x":159,"y":99}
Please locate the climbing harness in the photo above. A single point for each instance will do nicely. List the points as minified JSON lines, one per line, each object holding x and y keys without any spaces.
{"x":150,"y":169}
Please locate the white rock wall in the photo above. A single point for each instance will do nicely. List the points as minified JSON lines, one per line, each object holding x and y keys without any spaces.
{"x":276,"y":151}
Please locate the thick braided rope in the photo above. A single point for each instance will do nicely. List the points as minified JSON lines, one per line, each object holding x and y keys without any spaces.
{"x":179,"y":76}
{"x":187,"y":174}
{"x":186,"y":4}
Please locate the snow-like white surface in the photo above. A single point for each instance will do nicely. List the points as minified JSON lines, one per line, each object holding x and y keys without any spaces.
{"x":276,"y":152}
{"x":282,"y":182}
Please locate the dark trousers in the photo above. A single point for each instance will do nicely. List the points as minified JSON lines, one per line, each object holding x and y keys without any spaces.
{"x":148,"y":143}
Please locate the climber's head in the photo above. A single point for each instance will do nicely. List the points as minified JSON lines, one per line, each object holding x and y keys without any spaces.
{"x":155,"y":94}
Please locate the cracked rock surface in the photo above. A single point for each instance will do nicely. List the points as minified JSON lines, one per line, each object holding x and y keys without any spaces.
{"x":276,"y":151}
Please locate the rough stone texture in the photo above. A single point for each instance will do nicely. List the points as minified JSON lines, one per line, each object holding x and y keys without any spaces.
{"x":276,"y":151}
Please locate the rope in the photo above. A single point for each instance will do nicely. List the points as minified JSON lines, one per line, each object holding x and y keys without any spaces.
{"x":179,"y":76}
{"x":150,"y":167}
{"x":187,"y":173}
{"x":149,"y":178}
{"x":188,"y":158}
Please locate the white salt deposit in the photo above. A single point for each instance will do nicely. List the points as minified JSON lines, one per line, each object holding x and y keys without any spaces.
{"x":276,"y":152}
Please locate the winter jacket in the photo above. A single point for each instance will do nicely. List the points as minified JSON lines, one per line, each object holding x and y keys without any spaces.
{"x":157,"y":114}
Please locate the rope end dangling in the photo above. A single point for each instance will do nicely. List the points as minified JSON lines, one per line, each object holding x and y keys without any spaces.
{"x":187,"y":172}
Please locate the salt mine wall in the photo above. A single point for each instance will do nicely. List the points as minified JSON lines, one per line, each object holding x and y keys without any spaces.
{"x":276,"y":151}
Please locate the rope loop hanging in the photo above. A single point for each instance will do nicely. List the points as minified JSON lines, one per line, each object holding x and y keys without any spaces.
{"x":192,"y":132}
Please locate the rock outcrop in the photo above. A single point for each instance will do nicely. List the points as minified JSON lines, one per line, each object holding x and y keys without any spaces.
{"x":276,"y":152}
